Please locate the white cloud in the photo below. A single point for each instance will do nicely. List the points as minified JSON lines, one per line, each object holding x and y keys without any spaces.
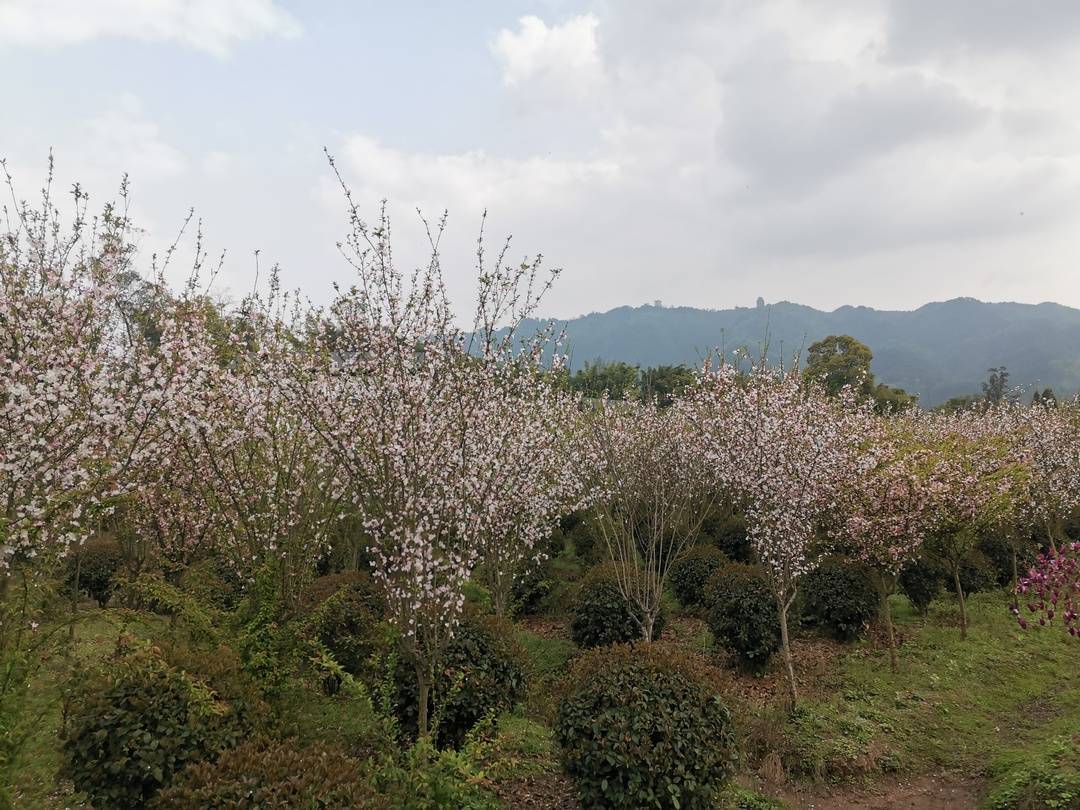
{"x":207,"y":25}
{"x":561,"y":58}
{"x":470,"y":181}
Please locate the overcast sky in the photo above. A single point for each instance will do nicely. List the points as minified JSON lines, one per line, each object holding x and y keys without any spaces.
{"x":877,"y":152}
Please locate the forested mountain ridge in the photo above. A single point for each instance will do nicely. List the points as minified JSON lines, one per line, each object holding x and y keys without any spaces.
{"x":939,"y":350}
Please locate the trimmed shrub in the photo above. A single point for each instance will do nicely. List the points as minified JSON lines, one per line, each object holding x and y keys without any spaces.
{"x":840,"y":596}
{"x":266,"y":773}
{"x":691,"y":574}
{"x":977,"y":573}
{"x":640,"y":727}
{"x":920,"y":581}
{"x":134,"y":727}
{"x":96,"y":562}
{"x":601,"y":614}
{"x":481,"y":673}
{"x":742,"y":614}
{"x":728,"y":533}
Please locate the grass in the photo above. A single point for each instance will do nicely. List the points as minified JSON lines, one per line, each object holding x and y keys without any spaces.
{"x":953,"y":705}
{"x":34,"y":773}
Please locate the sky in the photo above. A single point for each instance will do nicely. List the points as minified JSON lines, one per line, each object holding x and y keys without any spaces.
{"x":701,"y":152}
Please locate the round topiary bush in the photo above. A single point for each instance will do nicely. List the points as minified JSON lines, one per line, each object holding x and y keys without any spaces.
{"x":742,"y":614}
{"x":137,"y":725}
{"x":920,"y":581}
{"x":95,"y":565}
{"x":977,"y":573}
{"x":839,"y":595}
{"x":691,"y":574}
{"x":640,"y":727}
{"x":728,"y":533}
{"x":266,"y":773}
{"x":600,"y":614}
{"x":482,"y":672}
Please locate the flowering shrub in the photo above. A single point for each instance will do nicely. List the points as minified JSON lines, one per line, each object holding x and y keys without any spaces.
{"x":1051,"y":589}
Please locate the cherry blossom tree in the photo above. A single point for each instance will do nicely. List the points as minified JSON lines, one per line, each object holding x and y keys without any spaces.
{"x":1049,"y":446}
{"x":540,"y":478}
{"x":887,"y":511}
{"x":787,"y":450}
{"x":417,"y":414}
{"x":80,"y":395}
{"x":973,"y":482}
{"x":653,"y":491}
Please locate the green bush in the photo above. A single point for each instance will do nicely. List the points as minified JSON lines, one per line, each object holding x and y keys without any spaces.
{"x":601,"y":615}
{"x":840,"y":596}
{"x":742,"y":614}
{"x":96,"y":564}
{"x":267,"y":774}
{"x":999,"y":551}
{"x":977,"y":573}
{"x":728,"y":533}
{"x":691,"y":574}
{"x":531,"y":587}
{"x":583,"y":535}
{"x":134,"y":727}
{"x":639,"y":727}
{"x":210,"y":584}
{"x":920,"y":581}
{"x":346,"y":620}
{"x":481,"y":673}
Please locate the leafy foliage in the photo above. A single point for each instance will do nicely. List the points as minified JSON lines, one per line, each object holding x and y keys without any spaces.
{"x":601,"y":614}
{"x":482,"y":673}
{"x":921,"y":581}
{"x":840,"y":596}
{"x":265,"y":773}
{"x":95,"y":565}
{"x":691,"y":574}
{"x":742,"y":614}
{"x":639,"y":727}
{"x":977,"y":573}
{"x":138,"y":724}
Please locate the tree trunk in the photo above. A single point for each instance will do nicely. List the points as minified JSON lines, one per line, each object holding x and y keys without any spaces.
{"x":75,"y":596}
{"x":423,"y":683}
{"x":648,"y":622}
{"x":886,"y":612}
{"x":785,"y":640}
{"x":960,"y":597}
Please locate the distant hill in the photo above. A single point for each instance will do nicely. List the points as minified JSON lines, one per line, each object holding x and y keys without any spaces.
{"x":939,"y":350}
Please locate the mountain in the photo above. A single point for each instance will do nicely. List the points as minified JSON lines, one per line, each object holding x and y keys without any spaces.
{"x":939,"y":350}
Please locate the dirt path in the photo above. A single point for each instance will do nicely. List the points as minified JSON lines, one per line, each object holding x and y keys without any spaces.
{"x":943,"y":791}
